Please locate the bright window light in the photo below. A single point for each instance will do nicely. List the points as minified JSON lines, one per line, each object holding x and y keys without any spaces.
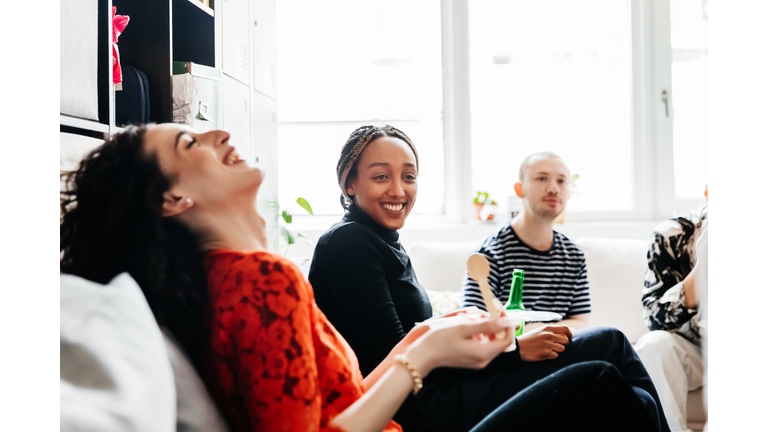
{"x":343,"y":64}
{"x":690,"y":76}
{"x":553,"y":75}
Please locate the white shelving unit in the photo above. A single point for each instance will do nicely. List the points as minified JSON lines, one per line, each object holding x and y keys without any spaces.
{"x":235,"y":36}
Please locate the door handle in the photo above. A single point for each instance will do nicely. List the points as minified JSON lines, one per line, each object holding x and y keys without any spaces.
{"x":665,"y":99}
{"x":202,"y":112}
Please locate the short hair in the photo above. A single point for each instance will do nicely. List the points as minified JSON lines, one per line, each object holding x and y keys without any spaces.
{"x":539,"y":155}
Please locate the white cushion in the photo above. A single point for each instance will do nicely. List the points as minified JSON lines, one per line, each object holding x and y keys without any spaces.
{"x":615,"y":270}
{"x":441,"y":266}
{"x":115,"y":371}
{"x":444,"y":302}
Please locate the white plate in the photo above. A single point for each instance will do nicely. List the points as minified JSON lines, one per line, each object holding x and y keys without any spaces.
{"x":533,"y":315}
{"x":516,"y":316}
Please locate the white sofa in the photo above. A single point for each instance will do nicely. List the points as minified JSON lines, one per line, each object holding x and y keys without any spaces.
{"x":615,"y":271}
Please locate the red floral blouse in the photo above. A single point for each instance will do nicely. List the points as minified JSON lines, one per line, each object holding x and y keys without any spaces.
{"x":275,"y":362}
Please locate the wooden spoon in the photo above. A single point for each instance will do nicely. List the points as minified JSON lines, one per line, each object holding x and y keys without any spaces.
{"x":479,"y":270}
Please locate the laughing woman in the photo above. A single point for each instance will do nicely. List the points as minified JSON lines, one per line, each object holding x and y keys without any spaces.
{"x":176,"y":210}
{"x":366,"y":286}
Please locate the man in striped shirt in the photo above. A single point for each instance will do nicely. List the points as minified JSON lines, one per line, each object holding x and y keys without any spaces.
{"x":555,"y":269}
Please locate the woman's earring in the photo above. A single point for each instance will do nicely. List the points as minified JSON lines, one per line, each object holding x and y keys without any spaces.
{"x":188,"y":200}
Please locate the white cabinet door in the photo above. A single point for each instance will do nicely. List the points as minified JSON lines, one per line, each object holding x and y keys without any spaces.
{"x":235,"y":23}
{"x":264,"y":47}
{"x":264,"y":123}
{"x":235,"y":117}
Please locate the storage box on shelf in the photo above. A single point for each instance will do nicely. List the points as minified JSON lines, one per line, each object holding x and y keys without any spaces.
{"x":86,"y":95}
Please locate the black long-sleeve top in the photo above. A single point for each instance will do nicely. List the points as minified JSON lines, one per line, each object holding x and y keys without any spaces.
{"x":365,"y":285}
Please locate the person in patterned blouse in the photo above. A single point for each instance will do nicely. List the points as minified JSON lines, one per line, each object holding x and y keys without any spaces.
{"x":672,"y":351}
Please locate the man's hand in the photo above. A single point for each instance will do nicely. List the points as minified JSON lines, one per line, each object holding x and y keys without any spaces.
{"x":544,"y":343}
{"x":575,"y":322}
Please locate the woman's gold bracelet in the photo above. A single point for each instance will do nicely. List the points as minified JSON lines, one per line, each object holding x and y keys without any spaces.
{"x":401,"y":360}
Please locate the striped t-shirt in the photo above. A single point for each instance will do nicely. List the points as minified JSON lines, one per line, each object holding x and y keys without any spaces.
{"x":555,"y":280}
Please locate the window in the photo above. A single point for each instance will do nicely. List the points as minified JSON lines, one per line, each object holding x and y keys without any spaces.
{"x":344,"y":64}
{"x":678,"y":102}
{"x":689,"y":94}
{"x":553,"y":76}
{"x":616,"y":87}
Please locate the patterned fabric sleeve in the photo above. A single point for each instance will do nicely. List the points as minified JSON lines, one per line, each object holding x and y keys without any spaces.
{"x":670,"y":260}
{"x":278,"y":364}
{"x":275,"y":356}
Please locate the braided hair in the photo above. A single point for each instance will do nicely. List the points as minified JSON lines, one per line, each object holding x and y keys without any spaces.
{"x":112,"y":223}
{"x":346,"y":168}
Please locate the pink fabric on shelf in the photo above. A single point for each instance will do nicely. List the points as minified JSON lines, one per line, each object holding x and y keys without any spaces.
{"x":119,"y":22}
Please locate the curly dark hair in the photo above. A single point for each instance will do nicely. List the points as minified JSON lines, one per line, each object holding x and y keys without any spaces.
{"x":112,"y":223}
{"x":351,"y":150}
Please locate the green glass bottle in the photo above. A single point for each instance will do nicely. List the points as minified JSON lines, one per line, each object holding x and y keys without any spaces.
{"x":515,"y":302}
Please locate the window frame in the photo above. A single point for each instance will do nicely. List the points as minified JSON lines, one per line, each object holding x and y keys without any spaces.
{"x":459,"y":123}
{"x":661,"y":58}
{"x":651,"y":131}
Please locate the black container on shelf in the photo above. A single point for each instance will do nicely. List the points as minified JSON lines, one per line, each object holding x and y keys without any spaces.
{"x":132,"y":102}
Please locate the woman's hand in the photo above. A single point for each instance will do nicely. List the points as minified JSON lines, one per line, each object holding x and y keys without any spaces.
{"x":471,"y":311}
{"x":457,"y":345}
{"x":467,"y":310}
{"x":544,"y":343}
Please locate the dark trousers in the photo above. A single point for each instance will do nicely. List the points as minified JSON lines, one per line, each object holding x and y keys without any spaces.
{"x":597,"y":383}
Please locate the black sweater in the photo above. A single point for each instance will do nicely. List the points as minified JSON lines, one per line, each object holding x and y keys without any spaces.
{"x":365,"y":285}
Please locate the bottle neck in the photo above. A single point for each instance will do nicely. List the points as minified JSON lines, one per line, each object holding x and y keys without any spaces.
{"x":515,"y":301}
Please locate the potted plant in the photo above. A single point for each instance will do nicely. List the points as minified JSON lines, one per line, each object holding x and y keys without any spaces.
{"x":571,"y":185}
{"x":485,"y":207}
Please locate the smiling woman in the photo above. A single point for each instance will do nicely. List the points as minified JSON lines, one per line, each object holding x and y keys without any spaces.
{"x":385,"y":186}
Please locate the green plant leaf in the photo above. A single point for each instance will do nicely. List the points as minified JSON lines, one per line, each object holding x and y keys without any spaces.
{"x":481,"y":197}
{"x":305,"y":205}
{"x":573,"y":179}
{"x":287,"y":216}
{"x":287,"y":235}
